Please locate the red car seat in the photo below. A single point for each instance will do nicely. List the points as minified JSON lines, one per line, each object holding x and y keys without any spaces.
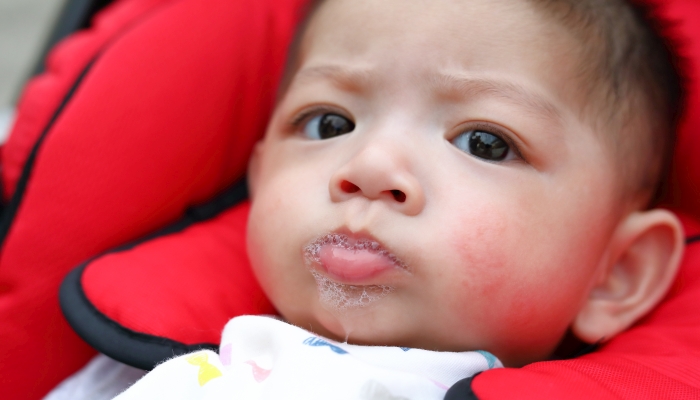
{"x":153,"y":109}
{"x":140,"y":125}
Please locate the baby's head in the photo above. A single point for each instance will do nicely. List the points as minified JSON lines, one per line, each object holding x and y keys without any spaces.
{"x":468,"y":174}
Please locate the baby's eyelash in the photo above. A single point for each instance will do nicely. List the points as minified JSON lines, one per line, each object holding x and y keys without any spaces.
{"x":300,"y":118}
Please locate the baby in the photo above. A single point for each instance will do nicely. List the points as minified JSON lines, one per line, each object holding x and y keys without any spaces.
{"x":502,"y":154}
{"x":458,"y":175}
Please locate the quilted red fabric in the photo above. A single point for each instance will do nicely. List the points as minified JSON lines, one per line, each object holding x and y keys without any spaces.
{"x":153,"y":126}
{"x":193,"y":281}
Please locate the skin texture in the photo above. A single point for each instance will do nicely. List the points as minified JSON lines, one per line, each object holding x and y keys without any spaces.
{"x":499,"y":256}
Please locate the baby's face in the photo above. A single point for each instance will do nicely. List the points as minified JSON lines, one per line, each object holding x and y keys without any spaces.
{"x":428,"y":180}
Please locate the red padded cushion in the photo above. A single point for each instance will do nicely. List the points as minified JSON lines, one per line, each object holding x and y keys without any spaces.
{"x":44,"y":93}
{"x":174,"y":94}
{"x":685,"y":191}
{"x":184,"y":286}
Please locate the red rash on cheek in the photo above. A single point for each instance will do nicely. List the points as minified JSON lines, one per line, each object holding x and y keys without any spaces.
{"x":481,"y":248}
{"x":520,"y":312}
{"x":492,"y":270}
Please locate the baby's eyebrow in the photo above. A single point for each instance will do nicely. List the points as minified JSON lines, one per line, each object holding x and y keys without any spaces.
{"x":459,"y":86}
{"x":351,"y":79}
{"x":449,"y":85}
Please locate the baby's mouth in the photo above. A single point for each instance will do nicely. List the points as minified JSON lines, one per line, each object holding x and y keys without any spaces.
{"x":351,"y":271}
{"x":351,"y":260}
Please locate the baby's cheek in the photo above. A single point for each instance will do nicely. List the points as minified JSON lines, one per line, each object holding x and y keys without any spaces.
{"x":500,"y":270}
{"x":538,"y":306}
{"x":478,"y":245}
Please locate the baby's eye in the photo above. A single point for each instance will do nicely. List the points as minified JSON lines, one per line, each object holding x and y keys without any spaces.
{"x":483,"y":145}
{"x":327,"y":126}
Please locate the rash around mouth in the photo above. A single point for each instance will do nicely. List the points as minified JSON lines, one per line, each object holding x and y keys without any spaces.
{"x":339,"y":295}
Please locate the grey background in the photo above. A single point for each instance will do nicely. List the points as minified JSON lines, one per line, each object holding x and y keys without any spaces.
{"x":24,"y":26}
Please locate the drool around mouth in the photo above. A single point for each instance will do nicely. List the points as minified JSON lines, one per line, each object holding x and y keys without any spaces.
{"x":352,"y":260}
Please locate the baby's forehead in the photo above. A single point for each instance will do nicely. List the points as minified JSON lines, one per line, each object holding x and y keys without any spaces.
{"x":451,"y":47}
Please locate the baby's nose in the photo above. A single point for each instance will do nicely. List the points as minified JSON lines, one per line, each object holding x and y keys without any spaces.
{"x":379,"y":175}
{"x":349,"y":187}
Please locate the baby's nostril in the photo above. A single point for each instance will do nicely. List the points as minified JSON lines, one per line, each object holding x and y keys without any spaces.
{"x":398,"y":195}
{"x":348,"y":187}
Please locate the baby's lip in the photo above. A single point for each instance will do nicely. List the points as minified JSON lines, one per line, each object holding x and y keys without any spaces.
{"x":353,"y":258}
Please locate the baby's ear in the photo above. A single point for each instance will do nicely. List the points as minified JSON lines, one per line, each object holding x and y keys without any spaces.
{"x":254,"y":168}
{"x":641,"y":264}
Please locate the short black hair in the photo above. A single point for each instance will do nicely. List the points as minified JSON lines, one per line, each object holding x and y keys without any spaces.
{"x":627,"y":53}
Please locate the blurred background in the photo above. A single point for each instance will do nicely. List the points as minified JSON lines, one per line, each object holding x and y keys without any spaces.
{"x":26,"y":26}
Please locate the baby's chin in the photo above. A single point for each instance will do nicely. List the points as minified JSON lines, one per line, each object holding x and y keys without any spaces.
{"x":356,"y":325}
{"x":370,"y":327}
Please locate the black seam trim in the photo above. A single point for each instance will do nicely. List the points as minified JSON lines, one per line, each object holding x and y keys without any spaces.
{"x":108,"y":336}
{"x":692,"y":239}
{"x":10,"y":210}
{"x":462,"y":390}
{"x":12,"y":206}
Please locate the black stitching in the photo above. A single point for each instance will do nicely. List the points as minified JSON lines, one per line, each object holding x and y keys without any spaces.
{"x":9,"y":212}
{"x":462,"y":390}
{"x":692,"y":239}
{"x":108,"y":336}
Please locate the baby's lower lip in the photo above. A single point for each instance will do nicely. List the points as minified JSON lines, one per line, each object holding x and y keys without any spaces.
{"x":353,"y":265}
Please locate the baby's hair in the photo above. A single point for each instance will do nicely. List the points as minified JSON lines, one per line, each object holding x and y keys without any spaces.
{"x":637,"y":85}
{"x":635,"y":90}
